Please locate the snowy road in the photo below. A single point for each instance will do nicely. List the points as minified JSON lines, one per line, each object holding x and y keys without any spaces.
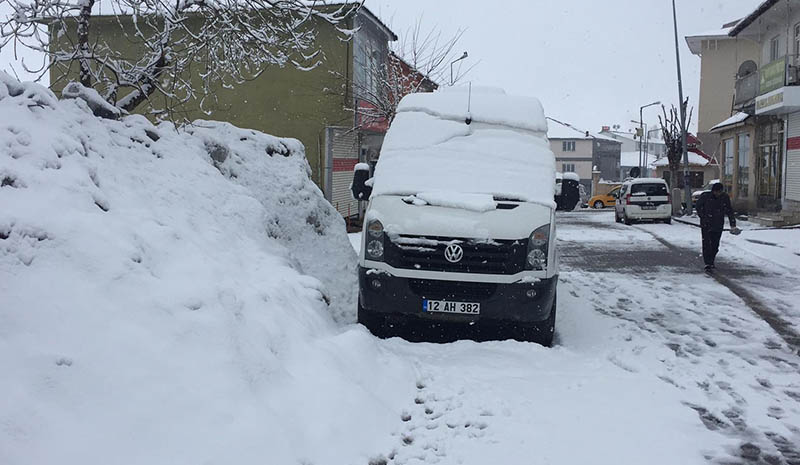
{"x":655,"y":363}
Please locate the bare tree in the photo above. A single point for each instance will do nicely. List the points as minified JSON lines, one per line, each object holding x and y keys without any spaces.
{"x":420,"y":62}
{"x":673,"y":138}
{"x":180,"y":50}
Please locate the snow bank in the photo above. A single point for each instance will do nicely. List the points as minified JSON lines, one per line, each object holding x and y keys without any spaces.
{"x":426,"y":151}
{"x":157,"y":298}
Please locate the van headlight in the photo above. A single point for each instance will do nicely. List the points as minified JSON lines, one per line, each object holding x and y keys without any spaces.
{"x":375,"y":237}
{"x":538,"y":246}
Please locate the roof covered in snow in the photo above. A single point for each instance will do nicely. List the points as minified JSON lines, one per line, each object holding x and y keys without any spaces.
{"x":694,"y":160}
{"x":754,"y":15}
{"x":560,"y":130}
{"x":481,"y":104}
{"x":733,"y":120}
{"x":645,"y":181}
{"x":430,"y":148}
{"x":632,"y":158}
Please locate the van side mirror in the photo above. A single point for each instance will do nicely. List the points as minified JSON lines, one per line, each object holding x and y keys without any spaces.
{"x":361,"y":191}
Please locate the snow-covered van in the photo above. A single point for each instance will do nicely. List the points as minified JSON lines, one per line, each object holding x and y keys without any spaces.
{"x":460,"y":226}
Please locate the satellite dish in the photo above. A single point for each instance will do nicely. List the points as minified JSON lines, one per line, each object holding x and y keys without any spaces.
{"x":635,"y":172}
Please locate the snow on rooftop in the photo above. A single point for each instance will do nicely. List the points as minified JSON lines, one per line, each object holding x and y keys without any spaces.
{"x":735,"y":119}
{"x":694,"y":159}
{"x":632,"y":158}
{"x":482,"y":104}
{"x":425,"y":150}
{"x":558,"y":130}
{"x":719,"y":33}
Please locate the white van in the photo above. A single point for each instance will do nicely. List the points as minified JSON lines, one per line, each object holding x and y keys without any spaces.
{"x":643,"y":199}
{"x":459,"y":231}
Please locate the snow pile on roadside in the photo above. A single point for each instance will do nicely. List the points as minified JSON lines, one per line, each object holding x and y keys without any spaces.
{"x":153,"y":311}
{"x":297,"y":214}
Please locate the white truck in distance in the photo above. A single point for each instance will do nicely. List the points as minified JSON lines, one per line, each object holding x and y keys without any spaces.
{"x":459,"y":231}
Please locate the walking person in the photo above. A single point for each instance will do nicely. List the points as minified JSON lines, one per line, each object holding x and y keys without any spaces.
{"x":712,"y":208}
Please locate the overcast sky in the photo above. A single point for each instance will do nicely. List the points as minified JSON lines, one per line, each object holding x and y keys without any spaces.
{"x":592,"y":63}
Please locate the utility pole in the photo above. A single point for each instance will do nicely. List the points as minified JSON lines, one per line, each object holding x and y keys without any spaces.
{"x":687,"y":190}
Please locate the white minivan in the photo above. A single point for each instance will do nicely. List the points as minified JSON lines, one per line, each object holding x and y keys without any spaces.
{"x":643,"y":199}
{"x":459,"y":232}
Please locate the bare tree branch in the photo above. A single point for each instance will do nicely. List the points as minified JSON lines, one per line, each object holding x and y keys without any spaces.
{"x":163,"y":46}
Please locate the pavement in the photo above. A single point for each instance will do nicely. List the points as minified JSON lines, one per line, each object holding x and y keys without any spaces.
{"x":735,"y":347}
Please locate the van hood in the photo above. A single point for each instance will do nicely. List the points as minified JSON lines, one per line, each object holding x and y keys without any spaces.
{"x":510,"y":221}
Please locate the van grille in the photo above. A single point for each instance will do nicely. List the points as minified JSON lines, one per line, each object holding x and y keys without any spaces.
{"x":480,"y":256}
{"x":452,"y":290}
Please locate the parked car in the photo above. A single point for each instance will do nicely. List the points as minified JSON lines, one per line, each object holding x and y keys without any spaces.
{"x":605,"y":200}
{"x":707,"y":188}
{"x":643,"y":199}
{"x":446,"y":249}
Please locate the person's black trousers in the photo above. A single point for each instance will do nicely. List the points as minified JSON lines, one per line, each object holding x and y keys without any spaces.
{"x":710,"y":245}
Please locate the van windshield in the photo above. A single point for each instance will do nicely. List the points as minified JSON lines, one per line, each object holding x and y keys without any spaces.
{"x":650,"y":190}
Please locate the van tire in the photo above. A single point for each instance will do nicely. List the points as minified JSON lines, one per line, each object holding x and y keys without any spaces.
{"x":598,"y":204}
{"x":668,"y":220}
{"x":541,"y":333}
{"x":627,"y":220}
{"x":547,"y":329}
{"x":374,"y":324}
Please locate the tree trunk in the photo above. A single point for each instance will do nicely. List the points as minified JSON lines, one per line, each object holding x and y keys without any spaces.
{"x":83,"y":43}
{"x":147,"y":85}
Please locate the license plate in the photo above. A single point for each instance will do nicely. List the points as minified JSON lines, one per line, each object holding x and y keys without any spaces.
{"x":648,"y":207}
{"x":446,"y":306}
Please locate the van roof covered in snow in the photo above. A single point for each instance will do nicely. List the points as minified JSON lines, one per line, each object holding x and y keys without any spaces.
{"x":482,"y":104}
{"x":503,"y":153}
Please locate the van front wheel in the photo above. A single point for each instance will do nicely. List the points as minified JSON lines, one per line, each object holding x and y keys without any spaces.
{"x":544,"y":332}
{"x":375,"y":324}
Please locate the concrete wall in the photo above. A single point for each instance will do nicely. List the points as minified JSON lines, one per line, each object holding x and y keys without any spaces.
{"x":720,"y":61}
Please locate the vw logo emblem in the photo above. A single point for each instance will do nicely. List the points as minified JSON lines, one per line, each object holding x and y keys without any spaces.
{"x":453,"y":253}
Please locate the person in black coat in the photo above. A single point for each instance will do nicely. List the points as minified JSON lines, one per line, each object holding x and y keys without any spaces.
{"x":712,"y":208}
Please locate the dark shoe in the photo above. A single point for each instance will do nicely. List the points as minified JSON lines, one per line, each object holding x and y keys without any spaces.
{"x":709,"y":268}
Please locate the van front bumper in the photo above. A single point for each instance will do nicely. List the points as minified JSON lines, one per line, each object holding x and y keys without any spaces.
{"x":382,"y":294}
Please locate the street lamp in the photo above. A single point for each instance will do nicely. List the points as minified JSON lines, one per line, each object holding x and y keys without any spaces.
{"x":641,"y":128}
{"x":465,"y":55}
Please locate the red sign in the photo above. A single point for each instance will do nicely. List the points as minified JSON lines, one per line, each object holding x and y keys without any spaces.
{"x":344,"y":164}
{"x":793,"y":143}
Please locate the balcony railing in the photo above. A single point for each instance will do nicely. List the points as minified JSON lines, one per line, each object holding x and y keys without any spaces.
{"x":746,"y":91}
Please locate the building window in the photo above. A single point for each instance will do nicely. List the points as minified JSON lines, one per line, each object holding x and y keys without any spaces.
{"x":568,"y":167}
{"x":774,"y":48}
{"x":568,"y":146}
{"x":743,"y":177}
{"x":727,"y":156}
